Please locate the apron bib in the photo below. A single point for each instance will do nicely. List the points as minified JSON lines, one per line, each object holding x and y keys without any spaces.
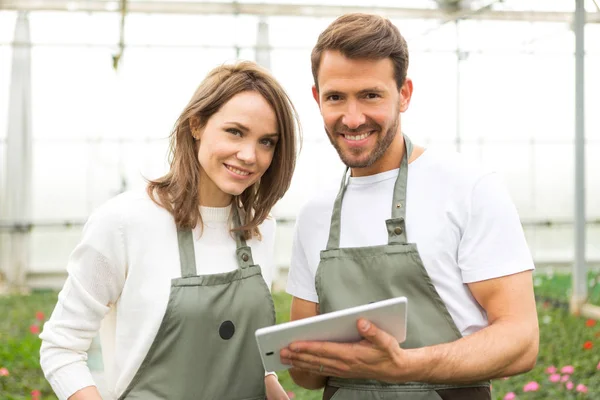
{"x":348,"y":277}
{"x":205,"y":346}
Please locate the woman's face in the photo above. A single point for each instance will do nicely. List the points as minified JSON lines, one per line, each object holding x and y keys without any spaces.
{"x":236,"y":147}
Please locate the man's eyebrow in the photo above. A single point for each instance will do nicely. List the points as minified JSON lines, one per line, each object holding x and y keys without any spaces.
{"x":331,"y":93}
{"x":373,"y":89}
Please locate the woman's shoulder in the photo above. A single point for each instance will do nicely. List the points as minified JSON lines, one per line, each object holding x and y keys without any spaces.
{"x":131,"y":206}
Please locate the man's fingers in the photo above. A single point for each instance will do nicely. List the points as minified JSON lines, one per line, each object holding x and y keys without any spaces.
{"x":316,"y":369}
{"x":321,"y":349}
{"x":315,"y":362}
{"x":376,"y":336}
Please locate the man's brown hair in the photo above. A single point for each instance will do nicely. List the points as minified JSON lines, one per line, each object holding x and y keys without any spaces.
{"x":177,"y":191}
{"x":363,"y":36}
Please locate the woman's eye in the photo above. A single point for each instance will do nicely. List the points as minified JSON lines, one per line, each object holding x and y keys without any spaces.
{"x":268,"y":142}
{"x":234,"y":131}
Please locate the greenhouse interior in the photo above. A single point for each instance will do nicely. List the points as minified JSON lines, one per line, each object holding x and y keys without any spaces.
{"x":90,"y":92}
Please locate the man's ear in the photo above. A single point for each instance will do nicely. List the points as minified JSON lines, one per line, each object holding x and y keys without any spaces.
{"x":315,"y":93}
{"x":405,"y":94}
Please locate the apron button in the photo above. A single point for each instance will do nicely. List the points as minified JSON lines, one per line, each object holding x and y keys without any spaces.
{"x":245,"y":257}
{"x":398,"y":231}
{"x":226,"y":330}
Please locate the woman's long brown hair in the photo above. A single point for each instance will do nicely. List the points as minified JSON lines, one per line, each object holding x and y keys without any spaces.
{"x":177,"y":191}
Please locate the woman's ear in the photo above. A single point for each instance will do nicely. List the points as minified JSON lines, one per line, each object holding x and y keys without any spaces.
{"x":195,"y":127}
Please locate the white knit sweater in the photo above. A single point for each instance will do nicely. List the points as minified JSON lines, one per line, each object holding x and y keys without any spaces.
{"x":119,"y":283}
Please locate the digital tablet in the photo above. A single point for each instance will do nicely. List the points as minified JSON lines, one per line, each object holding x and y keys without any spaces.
{"x":337,"y":326}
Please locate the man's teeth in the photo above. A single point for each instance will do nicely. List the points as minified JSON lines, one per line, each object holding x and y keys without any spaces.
{"x":237,"y":171}
{"x":357,"y":137}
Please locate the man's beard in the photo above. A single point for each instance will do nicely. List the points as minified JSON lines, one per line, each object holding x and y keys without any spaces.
{"x":383,"y":143}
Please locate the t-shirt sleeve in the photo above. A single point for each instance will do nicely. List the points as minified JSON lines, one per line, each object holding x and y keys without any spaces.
{"x":301,"y":279}
{"x":493,"y":242}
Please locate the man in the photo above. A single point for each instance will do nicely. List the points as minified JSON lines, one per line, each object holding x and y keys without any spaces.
{"x":407,"y":222}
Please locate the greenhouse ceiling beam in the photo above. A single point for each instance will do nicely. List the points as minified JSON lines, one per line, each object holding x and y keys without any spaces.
{"x":175,"y":7}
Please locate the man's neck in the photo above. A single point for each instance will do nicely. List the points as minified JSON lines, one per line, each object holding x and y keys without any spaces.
{"x":390,"y":160}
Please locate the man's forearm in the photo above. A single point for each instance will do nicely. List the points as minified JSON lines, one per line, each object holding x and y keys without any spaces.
{"x":502,"y":349}
{"x":307,"y":380}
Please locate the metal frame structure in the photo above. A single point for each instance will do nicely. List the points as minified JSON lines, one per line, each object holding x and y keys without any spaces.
{"x":268,"y":9}
{"x":19,"y":145}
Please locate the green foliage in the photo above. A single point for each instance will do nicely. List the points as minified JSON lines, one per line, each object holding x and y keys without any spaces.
{"x":19,"y":347}
{"x":557,"y":286}
{"x":562,"y":339}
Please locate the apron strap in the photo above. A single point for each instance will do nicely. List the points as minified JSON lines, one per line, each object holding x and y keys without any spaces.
{"x":335,"y":227}
{"x":395,"y":226}
{"x":187,"y":257}
{"x":243,"y":251}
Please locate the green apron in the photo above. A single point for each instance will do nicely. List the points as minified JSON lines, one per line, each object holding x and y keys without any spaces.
{"x":348,"y":277}
{"x":205,"y":346}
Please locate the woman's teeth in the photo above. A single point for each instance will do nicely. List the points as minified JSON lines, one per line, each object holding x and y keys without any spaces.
{"x":237,"y":171}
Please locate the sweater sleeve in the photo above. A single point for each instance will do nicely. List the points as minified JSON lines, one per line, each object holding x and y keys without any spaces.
{"x":96,"y":275}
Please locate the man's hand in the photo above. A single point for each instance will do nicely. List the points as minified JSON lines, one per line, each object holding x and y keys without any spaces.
{"x":274,"y":389}
{"x":378,"y":356}
{"x":508,"y":346}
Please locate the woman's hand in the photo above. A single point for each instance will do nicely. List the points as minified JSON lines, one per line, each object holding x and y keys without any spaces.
{"x":87,"y":393}
{"x":274,"y":389}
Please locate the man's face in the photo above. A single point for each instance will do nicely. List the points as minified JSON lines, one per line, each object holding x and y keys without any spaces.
{"x":360,"y":104}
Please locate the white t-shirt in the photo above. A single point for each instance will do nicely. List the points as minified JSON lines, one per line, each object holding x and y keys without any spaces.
{"x":462,"y":219}
{"x":120,"y":275}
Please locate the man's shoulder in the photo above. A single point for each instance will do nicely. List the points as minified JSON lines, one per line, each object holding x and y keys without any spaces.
{"x":450,"y":167}
{"x":318,"y":204}
{"x":315,"y":213}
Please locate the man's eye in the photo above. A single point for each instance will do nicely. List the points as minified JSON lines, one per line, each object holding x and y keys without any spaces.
{"x":334,"y":97}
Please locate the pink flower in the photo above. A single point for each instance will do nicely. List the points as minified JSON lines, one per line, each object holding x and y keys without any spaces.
{"x":554,"y":378}
{"x":567,"y":369}
{"x":551,"y":369}
{"x":40,"y":316}
{"x":531,"y":387}
{"x":598,"y":367}
{"x":34,"y":329}
{"x":510,"y":396}
{"x":35,"y":394}
{"x":565,"y":378}
{"x":569,"y":385}
{"x":4,"y":372}
{"x":581,"y":388}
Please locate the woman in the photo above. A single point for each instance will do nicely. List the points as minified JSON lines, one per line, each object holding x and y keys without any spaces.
{"x":173,"y":272}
